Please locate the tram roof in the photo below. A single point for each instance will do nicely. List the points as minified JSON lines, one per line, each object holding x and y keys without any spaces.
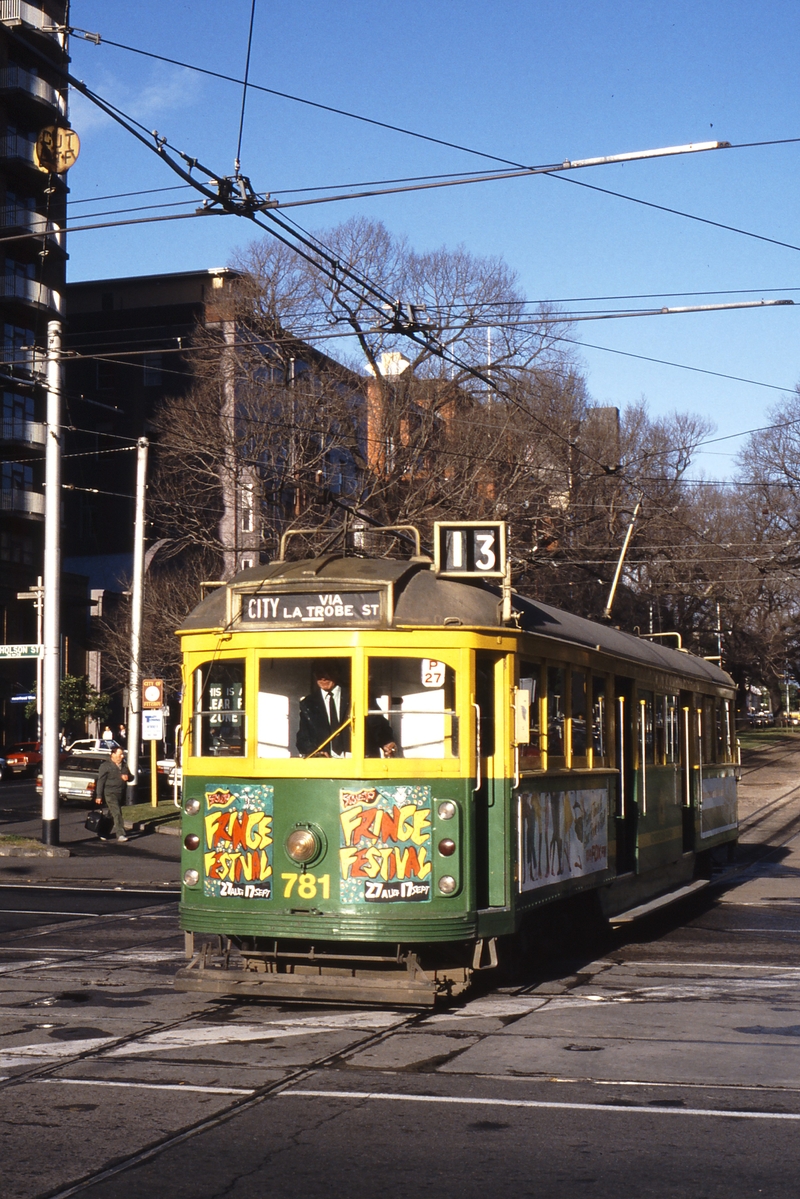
{"x":421,"y":598}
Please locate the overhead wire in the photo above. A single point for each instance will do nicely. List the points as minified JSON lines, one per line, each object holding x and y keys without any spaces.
{"x":340,"y":276}
{"x":244,"y":87}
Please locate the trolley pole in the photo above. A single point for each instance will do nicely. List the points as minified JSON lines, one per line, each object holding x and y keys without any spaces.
{"x":137,"y":598}
{"x":51,"y":630}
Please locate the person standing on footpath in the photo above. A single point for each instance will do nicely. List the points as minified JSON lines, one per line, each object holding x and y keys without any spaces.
{"x":112,"y":782}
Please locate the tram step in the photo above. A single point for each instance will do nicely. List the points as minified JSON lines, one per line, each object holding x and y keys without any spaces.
{"x":662,"y":901}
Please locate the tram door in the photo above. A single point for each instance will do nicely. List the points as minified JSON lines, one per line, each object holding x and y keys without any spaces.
{"x":626,"y":811}
{"x":490,"y":823}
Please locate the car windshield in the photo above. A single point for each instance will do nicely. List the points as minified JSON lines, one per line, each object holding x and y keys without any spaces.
{"x":24,"y":747}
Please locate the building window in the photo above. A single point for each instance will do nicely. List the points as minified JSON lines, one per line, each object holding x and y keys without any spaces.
{"x":17,"y":415}
{"x":16,"y":475}
{"x":106,"y":375}
{"x":152,"y":367}
{"x":16,"y":549}
{"x":247,"y":514}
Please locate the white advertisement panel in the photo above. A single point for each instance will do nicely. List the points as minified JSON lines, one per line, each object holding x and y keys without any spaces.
{"x":562,"y":834}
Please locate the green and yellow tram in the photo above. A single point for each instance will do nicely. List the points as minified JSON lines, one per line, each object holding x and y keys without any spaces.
{"x":389,"y":768}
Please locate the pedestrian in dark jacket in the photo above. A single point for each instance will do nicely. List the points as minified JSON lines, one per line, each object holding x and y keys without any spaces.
{"x":112,"y":782}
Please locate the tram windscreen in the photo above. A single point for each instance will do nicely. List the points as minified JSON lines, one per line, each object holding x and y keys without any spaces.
{"x":219,"y":717}
{"x":411,"y":706}
{"x":295,"y":719}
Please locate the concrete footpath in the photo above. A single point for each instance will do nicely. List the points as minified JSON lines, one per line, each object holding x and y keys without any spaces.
{"x":149,"y":859}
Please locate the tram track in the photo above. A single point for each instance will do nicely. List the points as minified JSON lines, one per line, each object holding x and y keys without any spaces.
{"x":238,"y":1105}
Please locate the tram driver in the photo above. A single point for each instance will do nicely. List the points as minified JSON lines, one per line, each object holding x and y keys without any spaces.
{"x":324,"y":729}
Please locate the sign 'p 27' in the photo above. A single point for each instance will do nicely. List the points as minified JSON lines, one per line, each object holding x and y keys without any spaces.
{"x":470,"y":549}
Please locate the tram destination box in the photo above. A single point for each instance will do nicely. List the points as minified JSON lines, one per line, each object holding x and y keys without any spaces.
{"x":331,"y":609}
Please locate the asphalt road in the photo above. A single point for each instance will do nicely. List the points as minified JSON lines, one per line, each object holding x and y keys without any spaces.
{"x":667,"y":1063}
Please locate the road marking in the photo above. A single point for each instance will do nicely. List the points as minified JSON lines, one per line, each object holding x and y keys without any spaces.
{"x":789,"y":971}
{"x":201,"y":1036}
{"x":152,"y":1086}
{"x":542,"y":1103}
{"x":40,"y":912}
{"x":12,"y":966}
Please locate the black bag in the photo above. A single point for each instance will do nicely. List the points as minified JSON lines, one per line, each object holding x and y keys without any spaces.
{"x":99,"y":821}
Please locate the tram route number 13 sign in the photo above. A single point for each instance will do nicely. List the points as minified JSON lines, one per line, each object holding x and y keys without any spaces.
{"x":326,"y":609}
{"x":470,"y":549}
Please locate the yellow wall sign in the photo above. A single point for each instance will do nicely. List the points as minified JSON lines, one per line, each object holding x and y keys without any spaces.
{"x":57,"y":149}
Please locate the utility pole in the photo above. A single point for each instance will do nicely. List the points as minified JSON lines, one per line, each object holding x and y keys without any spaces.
{"x":51,"y":633}
{"x":137,"y":598}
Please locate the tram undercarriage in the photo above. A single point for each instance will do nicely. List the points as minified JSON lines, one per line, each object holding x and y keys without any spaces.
{"x":394,"y":975}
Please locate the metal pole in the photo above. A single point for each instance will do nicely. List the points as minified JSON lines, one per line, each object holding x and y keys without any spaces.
{"x":137,"y":597}
{"x":39,"y":618}
{"x":618,"y":571}
{"x":51,"y":625}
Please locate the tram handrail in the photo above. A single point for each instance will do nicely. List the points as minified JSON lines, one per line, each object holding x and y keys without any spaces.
{"x":335,"y":733}
{"x":478,"y":778}
{"x":373,"y":529}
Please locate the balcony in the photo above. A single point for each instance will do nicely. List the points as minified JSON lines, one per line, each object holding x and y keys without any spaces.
{"x":14,"y":287}
{"x":21,"y":431}
{"x":25,"y":503}
{"x":17,"y":79}
{"x":14,"y":216}
{"x":19,"y":12}
{"x":14,"y":148}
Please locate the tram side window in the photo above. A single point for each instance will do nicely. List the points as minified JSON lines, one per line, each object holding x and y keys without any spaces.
{"x":302,"y":702}
{"x":599,"y":724}
{"x":411,"y":705}
{"x":530,"y":755}
{"x":672,"y":748}
{"x":723,"y":730}
{"x":709,"y":730}
{"x":219,"y":717}
{"x":727,"y":745}
{"x":578,"y":714}
{"x":646,"y":730}
{"x":556,"y":705}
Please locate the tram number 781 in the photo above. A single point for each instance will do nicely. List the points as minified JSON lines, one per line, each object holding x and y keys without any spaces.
{"x":307,"y":885}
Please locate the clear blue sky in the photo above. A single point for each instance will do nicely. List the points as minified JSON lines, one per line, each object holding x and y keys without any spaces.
{"x":534,"y":81}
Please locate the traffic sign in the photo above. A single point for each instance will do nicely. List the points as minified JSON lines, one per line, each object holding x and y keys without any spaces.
{"x":152,"y":726}
{"x":152,"y":694}
{"x":23,"y":699}
{"x":56,"y":149}
{"x":20,"y":651}
{"x":470,"y":548}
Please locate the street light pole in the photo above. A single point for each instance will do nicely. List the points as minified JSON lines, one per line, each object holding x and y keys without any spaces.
{"x":137,"y":598}
{"x":51,"y":630}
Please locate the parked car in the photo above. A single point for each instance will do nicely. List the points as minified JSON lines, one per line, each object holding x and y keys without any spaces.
{"x":3,"y":769}
{"x":93,"y":745}
{"x":24,"y":758}
{"x":77,"y":775}
{"x":170,"y":778}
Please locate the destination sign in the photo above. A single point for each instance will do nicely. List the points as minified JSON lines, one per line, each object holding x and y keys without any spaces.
{"x":329,"y":609}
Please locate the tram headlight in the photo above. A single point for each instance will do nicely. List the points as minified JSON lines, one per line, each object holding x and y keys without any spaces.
{"x":446,"y":809}
{"x":447,"y":884}
{"x":446,"y":847}
{"x":192,"y":878}
{"x":192,"y":807}
{"x":192,"y":841}
{"x":303,"y":845}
